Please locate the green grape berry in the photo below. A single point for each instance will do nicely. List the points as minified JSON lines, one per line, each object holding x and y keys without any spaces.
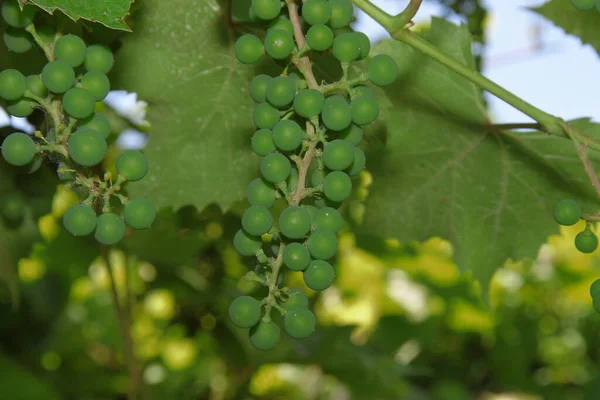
{"x":345,"y":47}
{"x":258,"y":87}
{"x":249,"y":49}
{"x":337,"y":114}
{"x":244,"y":311}
{"x":328,"y":218}
{"x":358,"y":164}
{"x":97,"y":122}
{"x":292,"y":180}
{"x":296,"y":299}
{"x":14,"y":16}
{"x":282,"y":23}
{"x":322,"y":244}
{"x":17,"y":40}
{"x":110,"y":229}
{"x":337,"y":186}
{"x":352,"y":134}
{"x":257,"y":220}
{"x":20,"y":108}
{"x":316,"y":11}
{"x":262,"y":142}
{"x":12,"y":84}
{"x":309,"y":103}
{"x":586,"y":241}
{"x":364,"y":110}
{"x":294,"y":222}
{"x":279,"y":44}
{"x":296,"y":257}
{"x":18,"y":149}
{"x":596,"y":303}
{"x":98,"y":57}
{"x":281,"y":91}
{"x":567,"y":212}
{"x":595,"y":288}
{"x":299,"y":323}
{"x":139,"y":213}
{"x":317,"y":177}
{"x":132,"y":164}
{"x":265,"y":335}
{"x":97,"y":84}
{"x":382,"y":70}
{"x":35,"y":84}
{"x":338,"y":155}
{"x":287,"y":135}
{"x":58,"y":77}
{"x":71,"y":50}
{"x":80,"y":220}
{"x":275,"y":168}
{"x":87,"y":147}
{"x":266,"y":9}
{"x":261,"y":193}
{"x":319,"y":275}
{"x":364,"y":43}
{"x":12,"y":207}
{"x":79,"y":103}
{"x":341,"y":13}
{"x":265,"y":116}
{"x":583,"y":5}
{"x":246,"y":244}
{"x":320,"y":37}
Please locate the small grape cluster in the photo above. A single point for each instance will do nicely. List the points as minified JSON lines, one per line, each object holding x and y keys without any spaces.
{"x":307,"y":135}
{"x":75,"y":137}
{"x":567,"y":212}
{"x":586,"y":5}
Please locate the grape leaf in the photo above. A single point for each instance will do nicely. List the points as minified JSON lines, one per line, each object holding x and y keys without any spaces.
{"x":108,"y":13}
{"x":584,"y":24}
{"x":443,"y":172}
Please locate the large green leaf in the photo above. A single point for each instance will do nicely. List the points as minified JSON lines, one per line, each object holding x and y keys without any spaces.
{"x":585,"y":24}
{"x":108,"y":13}
{"x":444,"y":173}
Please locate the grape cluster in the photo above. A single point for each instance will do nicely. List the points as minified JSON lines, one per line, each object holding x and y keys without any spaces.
{"x":75,"y":136}
{"x":586,"y":5}
{"x":308,"y":136}
{"x":567,"y":212}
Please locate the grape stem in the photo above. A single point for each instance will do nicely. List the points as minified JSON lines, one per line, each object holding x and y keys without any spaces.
{"x":44,"y":46}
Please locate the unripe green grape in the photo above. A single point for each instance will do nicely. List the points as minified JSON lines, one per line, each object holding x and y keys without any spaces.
{"x":139,"y":213}
{"x":329,"y":219}
{"x":18,"y":149}
{"x":266,"y":9}
{"x":363,"y":91}
{"x":132,"y":164}
{"x":261,"y":193}
{"x":257,"y":220}
{"x":319,"y":275}
{"x":17,"y":40}
{"x":382,"y":70}
{"x":352,"y":134}
{"x":20,"y":108}
{"x":341,"y":13}
{"x":110,"y":229}
{"x":71,"y":50}
{"x":36,"y":86}
{"x":79,"y":103}
{"x":248,"y":49}
{"x":97,"y":122}
{"x":595,"y":288}
{"x":281,"y":91}
{"x":14,"y":16}
{"x":279,"y":44}
{"x":265,"y":116}
{"x":258,"y":87}
{"x":322,"y":244}
{"x":12,"y":84}
{"x":294,"y":222}
{"x":364,"y":110}
{"x":586,"y":241}
{"x":58,"y":77}
{"x":364,"y":43}
{"x":12,"y":207}
{"x":337,"y":186}
{"x":598,"y":5}
{"x":244,"y":311}
{"x":316,"y":11}
{"x":299,"y":323}
{"x":325,"y":202}
{"x":583,"y":5}
{"x":98,"y":57}
{"x":338,"y":155}
{"x":262,"y":142}
{"x":317,"y":177}
{"x":287,"y":135}
{"x":596,"y":303}
{"x":265,"y":335}
{"x":345,"y":47}
{"x":282,"y":23}
{"x":296,"y":299}
{"x":80,"y":220}
{"x":337,"y":114}
{"x":63,"y":174}
{"x":292,"y":180}
{"x":87,"y":147}
{"x":567,"y":212}
{"x":358,"y":164}
{"x":309,"y":103}
{"x":296,"y":257}
{"x":320,"y":37}
{"x":275,"y":168}
{"x":246,"y":244}
{"x":97,"y":84}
